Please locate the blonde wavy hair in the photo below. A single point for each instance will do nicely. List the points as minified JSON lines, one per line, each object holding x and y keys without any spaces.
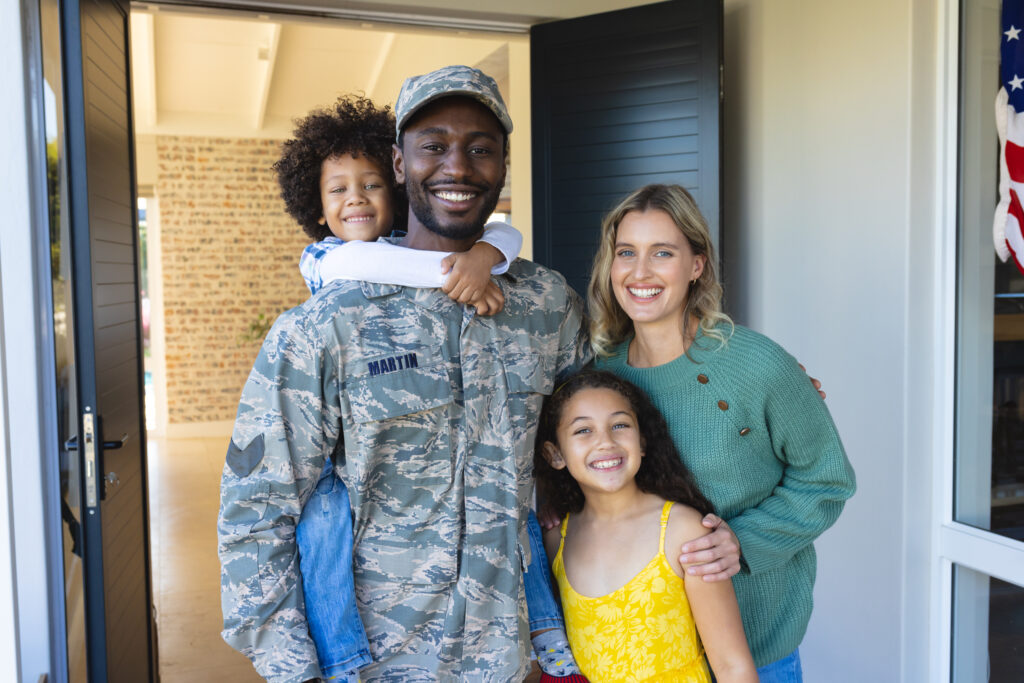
{"x":609,"y":324}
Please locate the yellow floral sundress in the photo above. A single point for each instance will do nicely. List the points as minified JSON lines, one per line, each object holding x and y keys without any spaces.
{"x":644,"y":631}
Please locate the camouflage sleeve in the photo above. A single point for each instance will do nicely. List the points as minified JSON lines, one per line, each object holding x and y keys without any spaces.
{"x":573,"y":338}
{"x":287,"y":424}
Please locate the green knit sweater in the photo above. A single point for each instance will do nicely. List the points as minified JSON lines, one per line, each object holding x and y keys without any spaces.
{"x":764,"y":450}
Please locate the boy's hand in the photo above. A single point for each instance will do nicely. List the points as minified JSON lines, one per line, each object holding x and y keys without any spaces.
{"x":469,"y":278}
{"x":490,"y":302}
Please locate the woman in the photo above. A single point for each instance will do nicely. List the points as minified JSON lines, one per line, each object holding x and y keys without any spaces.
{"x":744,"y":417}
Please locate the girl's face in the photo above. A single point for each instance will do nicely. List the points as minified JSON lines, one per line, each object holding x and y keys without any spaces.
{"x":355,"y":198}
{"x":652,"y":267}
{"x":598,"y":440}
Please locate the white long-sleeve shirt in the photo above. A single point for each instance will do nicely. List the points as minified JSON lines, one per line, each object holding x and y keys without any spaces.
{"x":382,"y":262}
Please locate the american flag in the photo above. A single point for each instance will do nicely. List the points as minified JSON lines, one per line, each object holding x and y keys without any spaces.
{"x":1008,"y":226}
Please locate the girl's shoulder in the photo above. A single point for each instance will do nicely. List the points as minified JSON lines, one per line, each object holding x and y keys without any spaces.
{"x":685,"y":520}
{"x":684,"y":525}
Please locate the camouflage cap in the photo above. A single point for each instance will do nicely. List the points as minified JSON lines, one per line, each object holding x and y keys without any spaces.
{"x":418,"y":91}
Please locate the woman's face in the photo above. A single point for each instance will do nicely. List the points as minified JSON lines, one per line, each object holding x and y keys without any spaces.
{"x":652,"y":268}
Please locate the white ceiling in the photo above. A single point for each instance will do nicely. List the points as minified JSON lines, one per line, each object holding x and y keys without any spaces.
{"x":250,"y":77}
{"x":243,"y":74}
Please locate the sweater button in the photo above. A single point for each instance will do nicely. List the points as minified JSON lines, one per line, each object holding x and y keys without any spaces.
{"x":703,"y":379}
{"x":744,"y":431}
{"x":723,"y":405}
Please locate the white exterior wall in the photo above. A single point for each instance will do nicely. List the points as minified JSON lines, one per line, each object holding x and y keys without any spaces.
{"x":835,"y":245}
{"x":832,"y":241}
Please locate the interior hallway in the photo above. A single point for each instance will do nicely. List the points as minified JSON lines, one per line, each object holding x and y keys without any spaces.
{"x":184,"y":489}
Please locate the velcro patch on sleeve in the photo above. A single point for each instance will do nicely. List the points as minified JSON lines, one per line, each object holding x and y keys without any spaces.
{"x":243,"y":461}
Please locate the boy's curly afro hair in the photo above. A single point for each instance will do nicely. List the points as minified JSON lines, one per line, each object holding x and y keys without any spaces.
{"x":352,"y":125}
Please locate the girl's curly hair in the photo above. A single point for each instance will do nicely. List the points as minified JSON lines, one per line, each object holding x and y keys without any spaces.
{"x":661,"y":472}
{"x":352,"y":125}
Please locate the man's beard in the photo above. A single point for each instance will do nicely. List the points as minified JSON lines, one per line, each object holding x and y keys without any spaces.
{"x":466,"y":227}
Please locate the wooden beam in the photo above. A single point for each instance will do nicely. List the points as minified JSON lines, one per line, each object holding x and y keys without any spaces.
{"x":266,"y":55}
{"x":383,"y":54}
{"x":144,"y":66}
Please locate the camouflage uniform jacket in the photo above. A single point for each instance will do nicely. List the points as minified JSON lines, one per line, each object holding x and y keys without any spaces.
{"x":437,"y":411}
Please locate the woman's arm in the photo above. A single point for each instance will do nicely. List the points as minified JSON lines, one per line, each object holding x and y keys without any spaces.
{"x":716,"y":556}
{"x":817,"y":478}
{"x":714,"y":607}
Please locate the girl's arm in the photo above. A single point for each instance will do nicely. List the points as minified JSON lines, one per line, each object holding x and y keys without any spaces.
{"x":552,"y":537}
{"x":714,"y":607}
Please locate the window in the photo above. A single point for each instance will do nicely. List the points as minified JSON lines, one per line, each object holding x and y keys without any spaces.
{"x":985,"y":537}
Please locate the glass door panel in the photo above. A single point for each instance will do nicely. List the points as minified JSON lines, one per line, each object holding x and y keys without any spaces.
{"x":988,"y":628}
{"x":63,"y":334}
{"x":989,"y":476}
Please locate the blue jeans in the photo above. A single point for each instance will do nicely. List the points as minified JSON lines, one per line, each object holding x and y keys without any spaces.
{"x":542,"y":609}
{"x":785,"y":670}
{"x":324,"y":537}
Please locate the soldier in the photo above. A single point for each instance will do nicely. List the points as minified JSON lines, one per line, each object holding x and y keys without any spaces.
{"x":429,"y":412}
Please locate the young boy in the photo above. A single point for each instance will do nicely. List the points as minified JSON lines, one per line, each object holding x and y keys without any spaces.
{"x":337,"y":181}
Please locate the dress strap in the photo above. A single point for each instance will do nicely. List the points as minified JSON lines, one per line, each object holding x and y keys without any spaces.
{"x":561,"y":542}
{"x":665,"y":509}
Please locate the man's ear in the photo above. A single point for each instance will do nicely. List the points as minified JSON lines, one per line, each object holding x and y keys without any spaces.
{"x":553,"y":455}
{"x":398,"y":163}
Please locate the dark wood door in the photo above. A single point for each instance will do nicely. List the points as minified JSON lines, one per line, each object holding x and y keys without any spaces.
{"x":111,"y":434}
{"x":620,"y":100}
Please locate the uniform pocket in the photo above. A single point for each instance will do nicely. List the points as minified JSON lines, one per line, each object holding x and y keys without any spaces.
{"x":403,"y":392}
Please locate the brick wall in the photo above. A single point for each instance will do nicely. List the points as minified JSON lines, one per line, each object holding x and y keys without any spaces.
{"x":230,"y":253}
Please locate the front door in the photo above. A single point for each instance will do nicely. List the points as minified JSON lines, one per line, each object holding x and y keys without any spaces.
{"x":96,"y":330}
{"x":621,"y":100}
{"x":613,"y":111}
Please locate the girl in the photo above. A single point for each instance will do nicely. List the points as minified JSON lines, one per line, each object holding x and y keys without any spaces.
{"x":745,"y":420}
{"x":606,"y":463}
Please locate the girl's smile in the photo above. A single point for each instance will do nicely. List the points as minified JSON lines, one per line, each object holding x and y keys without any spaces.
{"x":598,"y":440}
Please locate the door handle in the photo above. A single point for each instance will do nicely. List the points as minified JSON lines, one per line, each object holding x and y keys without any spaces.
{"x":72,"y":444}
{"x":93,"y":462}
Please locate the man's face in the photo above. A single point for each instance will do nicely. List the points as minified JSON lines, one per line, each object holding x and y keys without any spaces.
{"x":452,"y":162}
